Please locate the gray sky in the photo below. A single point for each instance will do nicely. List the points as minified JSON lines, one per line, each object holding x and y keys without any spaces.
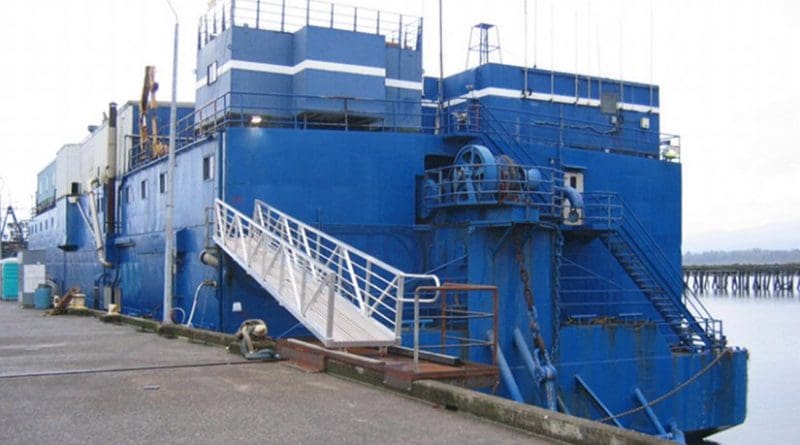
{"x":728,"y":72}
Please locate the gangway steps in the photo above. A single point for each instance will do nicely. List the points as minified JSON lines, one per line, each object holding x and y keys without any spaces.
{"x":343,"y":296}
{"x":351,"y":327}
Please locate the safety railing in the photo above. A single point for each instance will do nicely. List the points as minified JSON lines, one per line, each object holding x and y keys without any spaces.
{"x":292,"y":15}
{"x":621,"y":219}
{"x":449,"y":313}
{"x":522,"y":185}
{"x":303,"y":112}
{"x":375,"y":287}
{"x":273,"y":110}
{"x":515,"y":131}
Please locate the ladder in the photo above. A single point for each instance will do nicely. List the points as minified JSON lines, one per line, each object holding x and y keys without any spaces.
{"x":343,"y":296}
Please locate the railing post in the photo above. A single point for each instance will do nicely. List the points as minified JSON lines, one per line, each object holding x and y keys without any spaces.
{"x":233,"y":13}
{"x":398,"y":317}
{"x":308,"y":12}
{"x":332,"y":299}
{"x":258,"y":13}
{"x":416,"y":331}
{"x":283,"y":15}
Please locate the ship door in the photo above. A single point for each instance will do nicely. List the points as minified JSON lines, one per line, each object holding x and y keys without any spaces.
{"x":574,"y":179}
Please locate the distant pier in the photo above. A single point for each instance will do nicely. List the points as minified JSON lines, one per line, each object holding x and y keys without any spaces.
{"x":775,"y":278}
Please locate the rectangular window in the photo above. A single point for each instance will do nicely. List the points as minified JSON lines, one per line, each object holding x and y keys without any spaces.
{"x":144,"y":189}
{"x":162,"y":183}
{"x":211,"y":73}
{"x":208,"y":168}
{"x":127,"y":196}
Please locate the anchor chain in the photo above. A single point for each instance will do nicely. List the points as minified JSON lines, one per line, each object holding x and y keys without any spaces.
{"x":529,"y":298}
{"x":559,"y":250}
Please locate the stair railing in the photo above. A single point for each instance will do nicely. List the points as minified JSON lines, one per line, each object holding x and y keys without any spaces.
{"x":376,"y":288}
{"x":662,"y":270}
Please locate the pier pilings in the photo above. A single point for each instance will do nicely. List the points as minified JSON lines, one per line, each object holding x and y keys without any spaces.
{"x":743,"y":278}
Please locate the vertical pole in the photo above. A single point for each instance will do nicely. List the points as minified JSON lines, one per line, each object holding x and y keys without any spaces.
{"x":258,"y":12}
{"x":443,"y":320}
{"x":525,"y":41}
{"x":233,"y":13}
{"x":398,"y":316}
{"x":169,"y":233}
{"x":283,"y":15}
{"x":416,"y":331}
{"x":440,"y":105}
{"x":552,"y":53}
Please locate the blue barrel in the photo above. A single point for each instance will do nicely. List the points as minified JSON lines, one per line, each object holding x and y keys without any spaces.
{"x":43,"y":297}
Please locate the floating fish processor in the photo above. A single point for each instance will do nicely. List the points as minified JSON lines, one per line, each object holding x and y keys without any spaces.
{"x":523,"y":220}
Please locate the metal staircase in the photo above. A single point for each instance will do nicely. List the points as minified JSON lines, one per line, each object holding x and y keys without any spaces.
{"x":343,"y":296}
{"x":690,"y":324}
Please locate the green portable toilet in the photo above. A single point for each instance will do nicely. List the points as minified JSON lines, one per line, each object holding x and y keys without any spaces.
{"x":10,"y":268}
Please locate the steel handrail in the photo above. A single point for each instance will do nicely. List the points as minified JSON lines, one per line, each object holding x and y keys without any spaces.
{"x":698,"y":310}
{"x":372,"y":269}
{"x":438,"y":290}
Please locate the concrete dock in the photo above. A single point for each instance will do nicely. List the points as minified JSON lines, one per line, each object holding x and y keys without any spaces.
{"x":70,"y":379}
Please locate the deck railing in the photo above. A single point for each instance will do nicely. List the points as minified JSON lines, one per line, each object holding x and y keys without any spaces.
{"x":292,"y":15}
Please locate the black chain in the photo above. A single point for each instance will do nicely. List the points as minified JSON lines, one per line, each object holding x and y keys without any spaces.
{"x":528,"y":292}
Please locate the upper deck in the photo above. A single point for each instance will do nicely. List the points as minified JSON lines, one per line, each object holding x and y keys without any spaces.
{"x":298,"y":64}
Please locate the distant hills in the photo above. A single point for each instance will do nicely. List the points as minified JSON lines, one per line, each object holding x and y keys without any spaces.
{"x":751,"y":256}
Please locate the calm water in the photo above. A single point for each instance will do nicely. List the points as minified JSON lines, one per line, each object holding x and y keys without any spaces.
{"x":769,"y":327}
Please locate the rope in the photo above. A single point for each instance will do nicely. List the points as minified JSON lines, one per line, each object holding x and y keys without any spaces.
{"x":671,"y":392}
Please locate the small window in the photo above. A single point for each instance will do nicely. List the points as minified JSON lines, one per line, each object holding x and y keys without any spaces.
{"x":211,"y":73}
{"x":162,"y":183}
{"x":45,"y":224}
{"x":143,"y":187}
{"x":208,"y":168}
{"x":126,"y":195}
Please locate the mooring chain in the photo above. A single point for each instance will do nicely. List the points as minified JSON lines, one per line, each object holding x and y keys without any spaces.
{"x":528,"y":292}
{"x":559,"y":250}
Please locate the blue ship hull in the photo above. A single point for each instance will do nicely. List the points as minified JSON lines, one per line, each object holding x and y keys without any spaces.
{"x":373,"y":164}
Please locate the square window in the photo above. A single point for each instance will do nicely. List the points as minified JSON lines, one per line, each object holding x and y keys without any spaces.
{"x":143,"y":187}
{"x":208,"y":168}
{"x":162,"y":183}
{"x":211,"y":73}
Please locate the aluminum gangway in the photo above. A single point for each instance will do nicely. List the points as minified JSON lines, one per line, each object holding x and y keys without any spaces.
{"x":343,"y":296}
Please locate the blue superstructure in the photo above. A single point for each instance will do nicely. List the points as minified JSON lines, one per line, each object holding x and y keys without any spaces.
{"x":558,"y":188}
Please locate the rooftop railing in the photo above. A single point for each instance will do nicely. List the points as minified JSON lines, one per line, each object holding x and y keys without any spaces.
{"x":472,"y":119}
{"x":292,"y":15}
{"x":528,"y":128}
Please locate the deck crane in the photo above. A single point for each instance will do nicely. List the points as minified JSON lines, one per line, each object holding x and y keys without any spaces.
{"x":147,"y":106}
{"x":16,"y":230}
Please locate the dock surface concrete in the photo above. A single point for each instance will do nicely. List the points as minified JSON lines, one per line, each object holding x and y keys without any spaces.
{"x":75,"y":380}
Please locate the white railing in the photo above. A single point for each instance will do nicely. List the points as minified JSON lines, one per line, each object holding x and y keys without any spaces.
{"x":292,"y":15}
{"x":311,"y":265}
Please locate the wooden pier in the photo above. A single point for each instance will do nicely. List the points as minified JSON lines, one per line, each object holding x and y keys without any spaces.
{"x":777,"y":278}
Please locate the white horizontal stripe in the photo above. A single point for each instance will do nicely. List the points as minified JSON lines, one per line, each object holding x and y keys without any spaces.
{"x":557,"y":98}
{"x":313,"y":65}
{"x":405,"y":84}
{"x":339,"y":68}
{"x":292,"y":70}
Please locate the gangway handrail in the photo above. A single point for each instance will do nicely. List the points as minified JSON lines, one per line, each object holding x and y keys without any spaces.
{"x":369,"y":283}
